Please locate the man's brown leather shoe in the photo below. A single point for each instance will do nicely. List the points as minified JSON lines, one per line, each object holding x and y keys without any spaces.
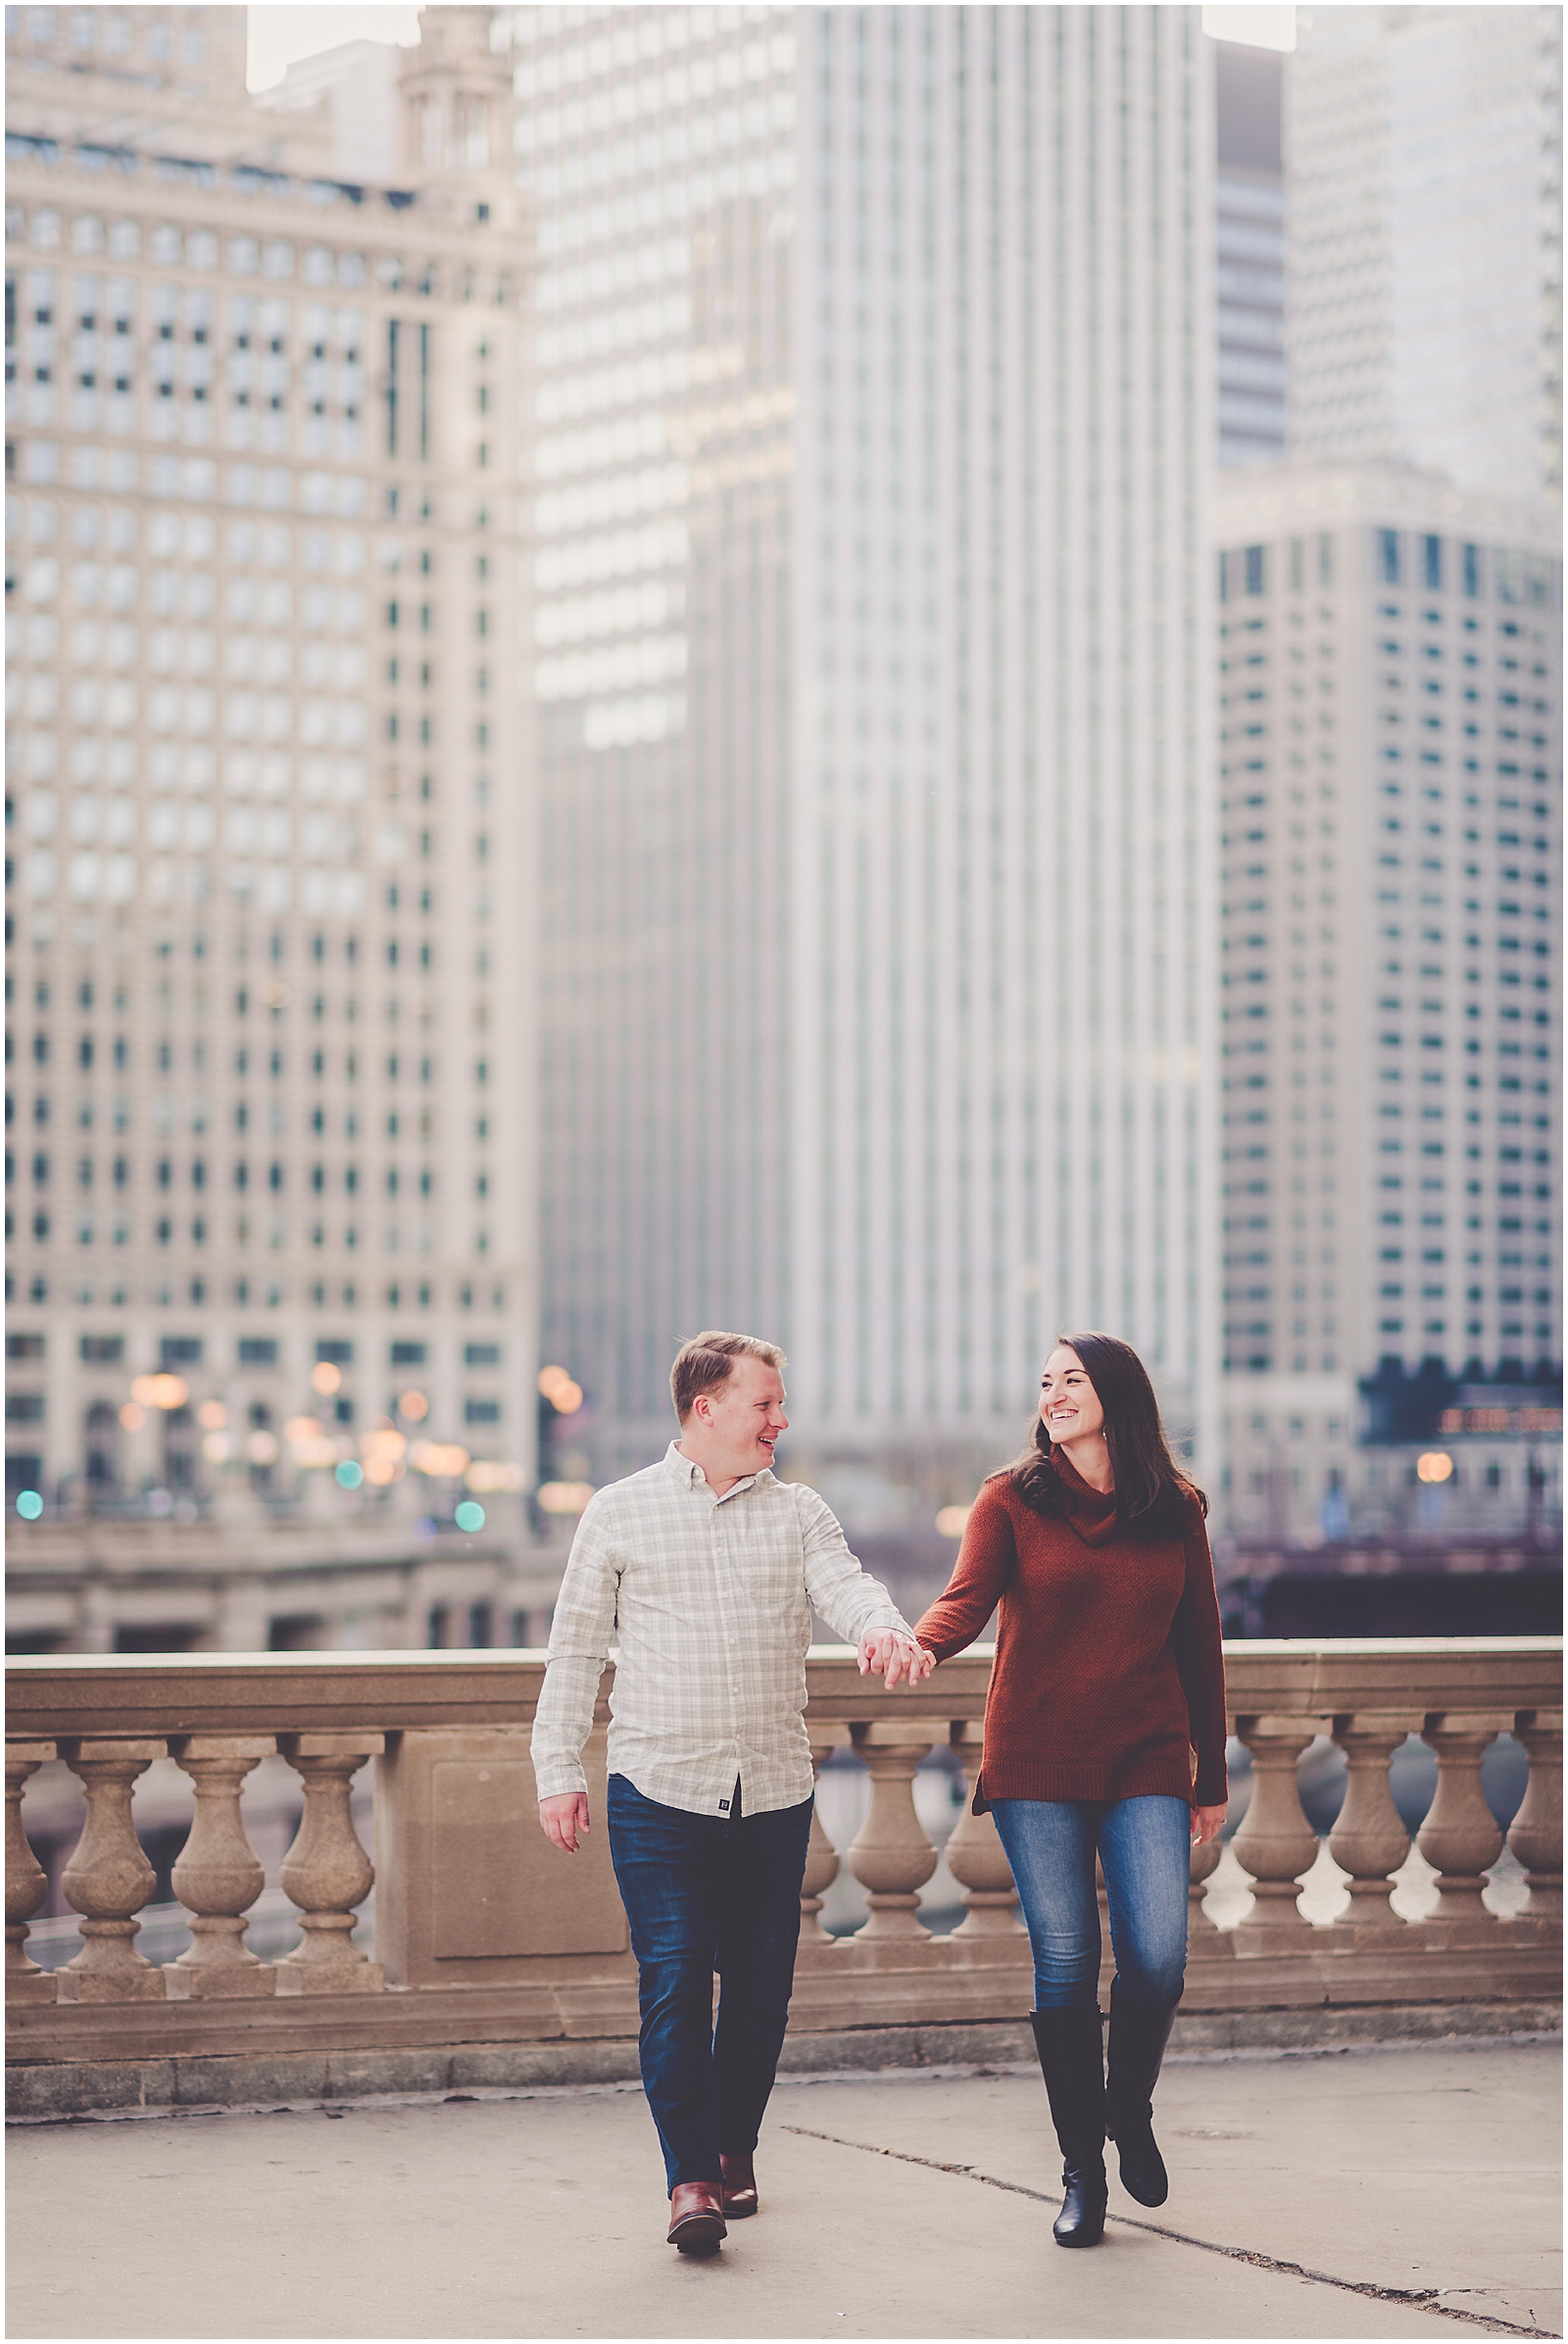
{"x":696,"y":2216}
{"x":740,"y":2185}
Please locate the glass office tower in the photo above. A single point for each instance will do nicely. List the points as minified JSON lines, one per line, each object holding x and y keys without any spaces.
{"x":873,"y":383}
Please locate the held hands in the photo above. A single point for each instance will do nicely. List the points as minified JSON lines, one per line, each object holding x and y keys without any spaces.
{"x":1206,"y":1823}
{"x":563,"y":1817}
{"x":896,"y":1658}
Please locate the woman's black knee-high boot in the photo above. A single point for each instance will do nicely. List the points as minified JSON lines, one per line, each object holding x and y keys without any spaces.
{"x":1068,"y":2044}
{"x":1139,"y":2033}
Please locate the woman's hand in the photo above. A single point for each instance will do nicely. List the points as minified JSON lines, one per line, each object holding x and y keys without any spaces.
{"x":884,"y":1652}
{"x":1208,"y":1822}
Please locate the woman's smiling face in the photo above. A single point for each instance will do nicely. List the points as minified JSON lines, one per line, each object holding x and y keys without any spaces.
{"x":1069,"y":1406}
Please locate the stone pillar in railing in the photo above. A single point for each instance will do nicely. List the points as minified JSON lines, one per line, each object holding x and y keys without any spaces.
{"x":891,"y":1855}
{"x":1368,"y":1839}
{"x":1276,"y":1843}
{"x":976,"y":1858}
{"x":109,"y":1879}
{"x":821,"y":1864}
{"x":326,"y":1871}
{"x":217,"y":1875}
{"x":1537,"y":1835}
{"x":25,"y":1884}
{"x":1460,"y":1836}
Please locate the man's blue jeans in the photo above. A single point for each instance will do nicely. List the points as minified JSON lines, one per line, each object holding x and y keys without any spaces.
{"x":1143,"y":1853}
{"x":705,"y":1893}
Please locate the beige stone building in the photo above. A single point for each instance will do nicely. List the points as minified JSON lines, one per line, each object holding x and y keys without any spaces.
{"x":269,"y":1120}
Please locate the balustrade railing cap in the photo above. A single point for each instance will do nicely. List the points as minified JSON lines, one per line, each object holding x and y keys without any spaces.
{"x":64,"y":1696}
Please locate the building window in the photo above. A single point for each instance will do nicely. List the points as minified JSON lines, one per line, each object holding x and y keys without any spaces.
{"x":1388,"y":556}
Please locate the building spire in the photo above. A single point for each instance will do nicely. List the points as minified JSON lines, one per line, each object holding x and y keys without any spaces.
{"x":455,"y":94}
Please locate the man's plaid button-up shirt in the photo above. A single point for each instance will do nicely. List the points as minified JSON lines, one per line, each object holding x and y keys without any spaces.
{"x":710,"y":1601}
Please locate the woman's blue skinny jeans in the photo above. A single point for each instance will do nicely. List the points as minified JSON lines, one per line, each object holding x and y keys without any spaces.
{"x":1143,"y":1853}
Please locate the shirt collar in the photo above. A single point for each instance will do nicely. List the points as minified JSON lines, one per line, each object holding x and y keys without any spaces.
{"x":692,"y":1477}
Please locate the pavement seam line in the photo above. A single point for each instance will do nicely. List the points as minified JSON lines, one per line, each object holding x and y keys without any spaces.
{"x":1418,"y":2298}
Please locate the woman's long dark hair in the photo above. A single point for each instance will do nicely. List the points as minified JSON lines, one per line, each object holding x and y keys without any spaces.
{"x":1153,"y":1493}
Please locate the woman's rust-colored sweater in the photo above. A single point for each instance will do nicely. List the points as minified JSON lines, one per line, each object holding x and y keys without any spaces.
{"x":1109,"y":1670}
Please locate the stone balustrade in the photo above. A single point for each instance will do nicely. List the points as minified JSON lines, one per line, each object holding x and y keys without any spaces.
{"x":490,"y":1947}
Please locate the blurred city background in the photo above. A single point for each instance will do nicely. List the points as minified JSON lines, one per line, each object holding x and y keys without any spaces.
{"x":890,"y":676}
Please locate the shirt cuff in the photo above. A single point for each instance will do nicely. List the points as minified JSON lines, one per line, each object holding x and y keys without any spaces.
{"x":554,"y":1781}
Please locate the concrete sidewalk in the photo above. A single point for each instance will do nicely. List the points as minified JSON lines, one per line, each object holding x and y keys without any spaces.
{"x":1311,"y":2197}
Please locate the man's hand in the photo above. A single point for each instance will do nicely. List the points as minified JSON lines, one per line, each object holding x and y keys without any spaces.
{"x":562,"y":1818}
{"x":884,"y":1652}
{"x":1207,"y":1822}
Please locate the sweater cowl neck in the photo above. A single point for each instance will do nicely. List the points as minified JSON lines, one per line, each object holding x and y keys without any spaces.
{"x":1092,"y":1513}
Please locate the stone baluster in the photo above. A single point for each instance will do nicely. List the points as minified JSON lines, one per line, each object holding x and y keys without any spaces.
{"x":1460,"y":1836}
{"x":25,"y":1884}
{"x":1368,"y":1840}
{"x":109,"y":1879}
{"x":891,"y":1855}
{"x":1537,"y":1835}
{"x":218,"y":1876}
{"x":326,"y":1871}
{"x":821,"y":1866}
{"x":976,"y":1858}
{"x":1276,"y":1843}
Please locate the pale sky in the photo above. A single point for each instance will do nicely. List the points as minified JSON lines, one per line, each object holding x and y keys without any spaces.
{"x":278,"y":37}
{"x":1255,"y":28}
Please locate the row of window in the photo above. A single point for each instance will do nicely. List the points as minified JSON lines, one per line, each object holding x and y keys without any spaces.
{"x":42,"y":1231}
{"x":247,"y":545}
{"x":271,"y":1063}
{"x":121,"y":1174}
{"x":89,"y":235}
{"x":273,"y":1292}
{"x":251,"y":1350}
{"x":1431,"y":563}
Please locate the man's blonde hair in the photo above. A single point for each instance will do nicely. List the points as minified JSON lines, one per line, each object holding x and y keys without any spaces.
{"x":708,"y":1360}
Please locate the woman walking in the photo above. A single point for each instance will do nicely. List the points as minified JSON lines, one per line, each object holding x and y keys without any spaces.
{"x":1104,"y":1733}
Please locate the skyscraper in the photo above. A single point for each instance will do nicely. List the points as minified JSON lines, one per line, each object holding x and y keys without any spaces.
{"x":873,"y":391}
{"x":1423,"y":274}
{"x":1249,"y":254}
{"x":268,"y":1123}
{"x":1390,"y":745}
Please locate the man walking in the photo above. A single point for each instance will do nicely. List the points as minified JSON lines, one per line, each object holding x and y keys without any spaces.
{"x":705,"y":1567}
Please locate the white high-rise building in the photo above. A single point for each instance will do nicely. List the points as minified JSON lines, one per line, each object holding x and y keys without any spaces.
{"x":1423,"y":151}
{"x":1249,"y":255}
{"x":873,"y":392}
{"x":269,"y":1120}
{"x":1391,"y":763}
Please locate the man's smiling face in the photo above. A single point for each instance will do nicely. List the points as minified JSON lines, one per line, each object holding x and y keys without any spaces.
{"x":740,"y":1423}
